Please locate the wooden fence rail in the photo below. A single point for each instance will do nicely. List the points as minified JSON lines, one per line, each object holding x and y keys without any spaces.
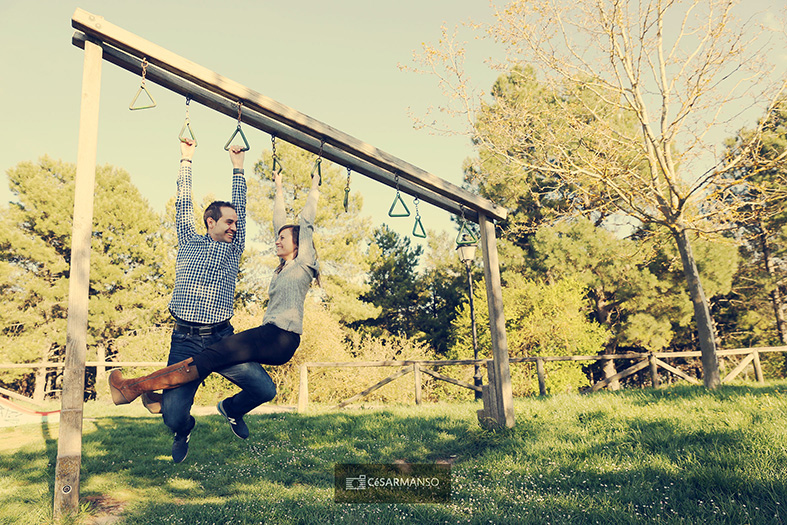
{"x":653,"y":361}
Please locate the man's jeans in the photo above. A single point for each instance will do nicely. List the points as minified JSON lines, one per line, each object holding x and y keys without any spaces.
{"x":257,"y":386}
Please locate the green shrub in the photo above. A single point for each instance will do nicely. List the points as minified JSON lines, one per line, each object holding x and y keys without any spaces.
{"x":541,"y":319}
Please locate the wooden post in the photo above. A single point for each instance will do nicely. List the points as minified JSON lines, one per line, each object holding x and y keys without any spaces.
{"x":654,"y":370}
{"x":39,"y":389}
{"x":69,"y":443}
{"x":504,"y":397}
{"x":101,"y":371}
{"x":758,"y":367}
{"x":489,"y":416}
{"x":303,"y":389}
{"x":542,"y":384}
{"x":417,"y":381}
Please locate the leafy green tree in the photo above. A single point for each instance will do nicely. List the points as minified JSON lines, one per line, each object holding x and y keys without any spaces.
{"x":635,"y":285}
{"x":541,"y":196}
{"x":678,"y":68}
{"x":541,"y":319}
{"x":445,"y":288}
{"x":132,"y":266}
{"x":763,"y":229}
{"x":615,"y":274}
{"x":393,"y":282}
{"x":755,"y":311}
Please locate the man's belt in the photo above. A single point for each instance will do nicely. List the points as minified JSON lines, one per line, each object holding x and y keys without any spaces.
{"x":203,"y":330}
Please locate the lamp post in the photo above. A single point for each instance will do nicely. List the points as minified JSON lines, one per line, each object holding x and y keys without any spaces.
{"x":466,"y":255}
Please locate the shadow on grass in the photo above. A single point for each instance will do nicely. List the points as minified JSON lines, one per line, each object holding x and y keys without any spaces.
{"x":283,"y":448}
{"x":564,"y":462}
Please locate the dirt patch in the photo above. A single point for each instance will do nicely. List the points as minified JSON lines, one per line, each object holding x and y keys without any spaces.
{"x":105,"y":509}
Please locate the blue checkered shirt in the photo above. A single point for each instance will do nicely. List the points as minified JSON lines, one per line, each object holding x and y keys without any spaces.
{"x":206,"y":270}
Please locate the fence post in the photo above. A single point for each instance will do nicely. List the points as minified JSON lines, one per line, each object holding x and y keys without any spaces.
{"x":654,"y":370}
{"x":303,"y":389}
{"x":101,"y":372}
{"x":39,"y":388}
{"x":542,"y":383}
{"x":758,"y":367}
{"x":417,"y":380}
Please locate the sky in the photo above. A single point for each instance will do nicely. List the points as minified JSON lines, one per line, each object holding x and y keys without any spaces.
{"x":337,"y":62}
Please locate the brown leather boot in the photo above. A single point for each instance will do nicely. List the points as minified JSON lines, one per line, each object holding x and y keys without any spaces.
{"x":152,"y":401}
{"x":125,"y":391}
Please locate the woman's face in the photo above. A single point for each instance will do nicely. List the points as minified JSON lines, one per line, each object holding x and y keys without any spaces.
{"x":285,"y":245}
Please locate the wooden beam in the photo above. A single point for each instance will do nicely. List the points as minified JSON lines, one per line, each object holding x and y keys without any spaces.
{"x":457,"y":382}
{"x":504,"y":396}
{"x":69,"y":443}
{"x":738,"y":369}
{"x":542,"y":383}
{"x":654,"y":371}
{"x":101,"y":30}
{"x":272,"y":127}
{"x":620,"y":375}
{"x":303,"y":389}
{"x":403,"y":362}
{"x":677,"y":371}
{"x":14,"y":395}
{"x":356,"y":397}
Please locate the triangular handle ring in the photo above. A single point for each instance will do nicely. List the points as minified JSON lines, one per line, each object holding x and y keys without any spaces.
{"x":187,"y":127}
{"x":277,"y":166}
{"x":418,"y":229}
{"x":398,"y":199}
{"x":142,"y":88}
{"x":317,"y":169}
{"x":246,"y":146}
{"x":465,"y":237}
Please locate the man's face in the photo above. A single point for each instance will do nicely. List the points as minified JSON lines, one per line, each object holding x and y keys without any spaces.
{"x":226,"y":227}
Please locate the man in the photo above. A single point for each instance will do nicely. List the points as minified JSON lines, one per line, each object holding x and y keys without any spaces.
{"x":202,"y":302}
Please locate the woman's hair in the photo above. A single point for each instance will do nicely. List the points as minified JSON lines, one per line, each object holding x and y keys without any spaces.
{"x":296,"y":232}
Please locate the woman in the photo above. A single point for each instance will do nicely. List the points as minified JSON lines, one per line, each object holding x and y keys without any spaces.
{"x":272,"y":343}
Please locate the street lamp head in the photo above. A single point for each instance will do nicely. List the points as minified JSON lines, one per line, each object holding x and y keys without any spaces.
{"x":466,"y":252}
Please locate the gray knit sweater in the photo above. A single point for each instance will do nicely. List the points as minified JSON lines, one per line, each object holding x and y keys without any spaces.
{"x":288,"y":288}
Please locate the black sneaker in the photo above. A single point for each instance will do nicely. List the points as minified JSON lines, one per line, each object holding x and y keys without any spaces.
{"x":180,"y":445}
{"x":237,"y":425}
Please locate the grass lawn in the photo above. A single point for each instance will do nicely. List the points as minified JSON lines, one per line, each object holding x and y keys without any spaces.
{"x":679,"y":454}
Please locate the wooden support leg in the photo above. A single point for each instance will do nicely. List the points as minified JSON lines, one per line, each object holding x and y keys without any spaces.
{"x":489,"y":417}
{"x":69,"y":442}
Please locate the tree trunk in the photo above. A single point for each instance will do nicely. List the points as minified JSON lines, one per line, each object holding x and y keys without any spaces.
{"x":702,"y":316}
{"x":610,"y":371}
{"x":603,"y":316}
{"x":776,"y":296}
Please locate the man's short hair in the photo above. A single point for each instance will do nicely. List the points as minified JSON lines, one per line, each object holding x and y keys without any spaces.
{"x":214,"y":211}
